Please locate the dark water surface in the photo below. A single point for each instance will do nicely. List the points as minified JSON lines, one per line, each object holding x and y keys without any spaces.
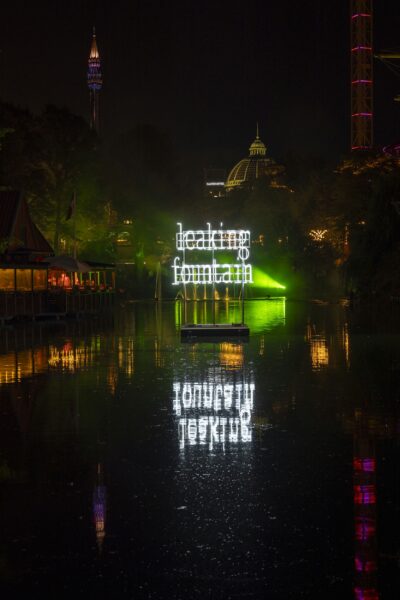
{"x":136,"y":466}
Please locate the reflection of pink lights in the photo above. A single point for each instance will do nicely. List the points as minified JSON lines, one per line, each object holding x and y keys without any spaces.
{"x":363,"y":114}
{"x":99,"y":504}
{"x":366,"y":594}
{"x":365,"y":529}
{"x":364,"y":494}
{"x":356,"y":81}
{"x":361,"y":147}
{"x":357,"y":48}
{"x":360,"y":15}
{"x":364,"y":464}
{"x":391,"y":150}
{"x":364,"y":566}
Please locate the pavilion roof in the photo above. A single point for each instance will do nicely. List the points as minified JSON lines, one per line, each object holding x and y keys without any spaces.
{"x":17,"y":227}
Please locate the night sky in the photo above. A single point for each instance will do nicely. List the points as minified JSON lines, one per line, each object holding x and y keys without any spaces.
{"x":203,"y":71}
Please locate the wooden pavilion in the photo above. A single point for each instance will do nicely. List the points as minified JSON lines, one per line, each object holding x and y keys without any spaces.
{"x":33,"y":282}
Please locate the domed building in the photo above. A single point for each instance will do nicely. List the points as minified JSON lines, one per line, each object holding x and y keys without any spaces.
{"x":256,"y":166}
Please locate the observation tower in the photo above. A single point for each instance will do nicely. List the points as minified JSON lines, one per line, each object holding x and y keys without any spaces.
{"x":361,"y":75}
{"x":95,"y":82}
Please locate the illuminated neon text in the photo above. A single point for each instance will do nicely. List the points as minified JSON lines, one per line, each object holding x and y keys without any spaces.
{"x":213,"y":240}
{"x":211,"y":273}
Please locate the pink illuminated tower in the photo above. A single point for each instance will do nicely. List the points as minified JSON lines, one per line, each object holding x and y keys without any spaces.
{"x":361,"y":75}
{"x":95,"y":81}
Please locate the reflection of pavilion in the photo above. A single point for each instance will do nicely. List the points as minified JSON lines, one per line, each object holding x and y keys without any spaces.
{"x":70,"y":356}
{"x":35,"y":350}
{"x":18,"y":365}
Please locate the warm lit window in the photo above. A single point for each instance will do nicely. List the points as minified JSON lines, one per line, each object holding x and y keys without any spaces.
{"x":24,"y":280}
{"x":7,"y":280}
{"x":39,"y":279}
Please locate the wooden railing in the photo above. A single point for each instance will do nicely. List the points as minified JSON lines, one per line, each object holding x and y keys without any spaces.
{"x":41,"y":304}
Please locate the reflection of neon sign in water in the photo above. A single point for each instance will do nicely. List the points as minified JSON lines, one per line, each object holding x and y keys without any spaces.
{"x":222,"y":413}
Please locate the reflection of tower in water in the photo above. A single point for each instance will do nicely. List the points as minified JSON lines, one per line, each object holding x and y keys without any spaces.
{"x":332,"y":350}
{"x":99,"y":508}
{"x":364,"y":469}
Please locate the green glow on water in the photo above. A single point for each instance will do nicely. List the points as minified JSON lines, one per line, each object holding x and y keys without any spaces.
{"x":260,"y":315}
{"x":265,"y":315}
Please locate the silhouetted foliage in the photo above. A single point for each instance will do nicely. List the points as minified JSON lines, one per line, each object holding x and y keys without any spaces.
{"x":333,"y":229}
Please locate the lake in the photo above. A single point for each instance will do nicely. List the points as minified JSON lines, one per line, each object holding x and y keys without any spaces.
{"x":134,"y":465}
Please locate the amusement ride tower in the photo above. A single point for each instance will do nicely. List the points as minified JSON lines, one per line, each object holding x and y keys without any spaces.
{"x":361,"y":75}
{"x":95,"y":81}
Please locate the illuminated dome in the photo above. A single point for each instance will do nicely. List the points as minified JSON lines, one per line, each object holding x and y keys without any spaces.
{"x":256,"y":166}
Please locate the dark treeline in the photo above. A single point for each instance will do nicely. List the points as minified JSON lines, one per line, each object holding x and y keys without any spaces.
{"x":326,"y":229}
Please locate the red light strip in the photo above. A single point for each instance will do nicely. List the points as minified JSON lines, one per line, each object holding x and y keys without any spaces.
{"x":364,"y":464}
{"x":361,"y":15}
{"x":365,"y":529}
{"x":362,"y":115}
{"x":366,"y":81}
{"x":364,"y":494}
{"x":364,"y":566}
{"x":366,"y":594}
{"x":366,"y":48}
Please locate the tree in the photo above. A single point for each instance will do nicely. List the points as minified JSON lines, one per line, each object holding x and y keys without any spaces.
{"x":50,"y":157}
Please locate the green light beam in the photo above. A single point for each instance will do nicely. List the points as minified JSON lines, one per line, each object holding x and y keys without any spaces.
{"x":263,"y":280}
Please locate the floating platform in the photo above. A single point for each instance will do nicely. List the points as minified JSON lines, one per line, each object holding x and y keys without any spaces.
{"x":209,"y":330}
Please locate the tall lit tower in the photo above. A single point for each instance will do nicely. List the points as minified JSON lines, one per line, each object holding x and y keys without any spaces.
{"x":95,"y":81}
{"x":361,"y":75}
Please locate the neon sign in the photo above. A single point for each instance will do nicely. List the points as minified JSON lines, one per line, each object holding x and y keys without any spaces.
{"x":213,"y":240}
